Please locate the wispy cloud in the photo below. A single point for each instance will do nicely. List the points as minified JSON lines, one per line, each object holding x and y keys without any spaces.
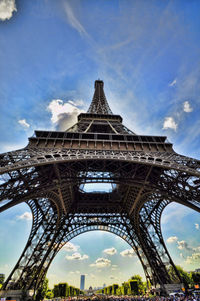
{"x":170,"y":215}
{"x":74,"y":272}
{"x":187,"y":107}
{"x":24,"y":123}
{"x":110,"y":251}
{"x":113,"y":277}
{"x":173,"y":83}
{"x":77,"y":256}
{"x":73,"y":20}
{"x":6,"y":147}
{"x":7,"y":7}
{"x":189,"y":82}
{"x":5,"y":268}
{"x":169,"y":123}
{"x":114,"y":267}
{"x":193,"y":134}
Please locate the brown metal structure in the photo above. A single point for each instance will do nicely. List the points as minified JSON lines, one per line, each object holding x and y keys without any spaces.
{"x":49,"y":174}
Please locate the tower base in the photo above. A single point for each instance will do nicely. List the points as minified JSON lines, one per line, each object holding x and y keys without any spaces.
{"x":16,"y":295}
{"x":166,"y":289}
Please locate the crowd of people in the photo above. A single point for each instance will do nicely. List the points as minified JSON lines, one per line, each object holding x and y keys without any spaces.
{"x":175,"y":297}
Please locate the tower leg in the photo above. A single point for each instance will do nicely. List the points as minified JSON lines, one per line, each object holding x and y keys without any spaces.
{"x":151,"y":240}
{"x":41,"y":243}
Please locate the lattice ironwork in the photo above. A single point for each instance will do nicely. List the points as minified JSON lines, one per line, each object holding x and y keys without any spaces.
{"x":99,"y":104}
{"x":49,"y":175}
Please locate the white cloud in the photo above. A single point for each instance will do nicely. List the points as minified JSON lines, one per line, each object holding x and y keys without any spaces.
{"x":110,"y":251}
{"x":70,"y":247}
{"x":194,"y":258}
{"x":197,"y":226}
{"x":172,"y":239}
{"x":183,"y":245}
{"x":77,"y":256}
{"x":7,"y":7}
{"x":101,"y":263}
{"x":24,"y":123}
{"x":169,"y":123}
{"x":197,"y":249}
{"x":127,"y":253}
{"x":186,"y":107}
{"x":26,"y":215}
{"x":63,"y":114}
{"x":173,"y":83}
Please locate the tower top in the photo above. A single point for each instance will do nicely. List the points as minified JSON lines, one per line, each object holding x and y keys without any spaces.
{"x":99,"y":104}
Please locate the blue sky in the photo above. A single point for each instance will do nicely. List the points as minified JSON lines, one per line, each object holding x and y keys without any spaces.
{"x":148,"y":54}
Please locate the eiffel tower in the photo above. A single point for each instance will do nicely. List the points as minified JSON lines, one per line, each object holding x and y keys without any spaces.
{"x":49,"y":174}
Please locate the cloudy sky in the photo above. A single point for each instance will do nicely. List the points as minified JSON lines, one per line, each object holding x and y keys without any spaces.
{"x":148,"y":54}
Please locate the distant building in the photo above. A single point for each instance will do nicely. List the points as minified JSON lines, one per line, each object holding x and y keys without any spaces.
{"x":82,"y":283}
{"x":197,"y":270}
{"x":104,"y":285}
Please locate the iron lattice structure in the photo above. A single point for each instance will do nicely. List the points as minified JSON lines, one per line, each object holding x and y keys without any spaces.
{"x":50,"y":172}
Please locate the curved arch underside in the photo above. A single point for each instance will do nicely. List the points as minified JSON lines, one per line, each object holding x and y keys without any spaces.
{"x":47,"y":238}
{"x":29,"y":157}
{"x":51,"y":183}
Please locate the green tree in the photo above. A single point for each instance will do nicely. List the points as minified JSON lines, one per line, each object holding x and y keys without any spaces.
{"x":71,"y":291}
{"x":195,"y":277}
{"x":63,"y":289}
{"x":133,"y":287}
{"x":119,"y":291}
{"x":114,"y":288}
{"x":110,"y":290}
{"x":186,"y":278}
{"x":124,"y":288}
{"x":2,"y":278}
{"x":49,"y":294}
{"x":147,"y":285}
{"x":140,"y":283}
{"x":41,"y":293}
{"x":45,"y":287}
{"x":56,"y":290}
